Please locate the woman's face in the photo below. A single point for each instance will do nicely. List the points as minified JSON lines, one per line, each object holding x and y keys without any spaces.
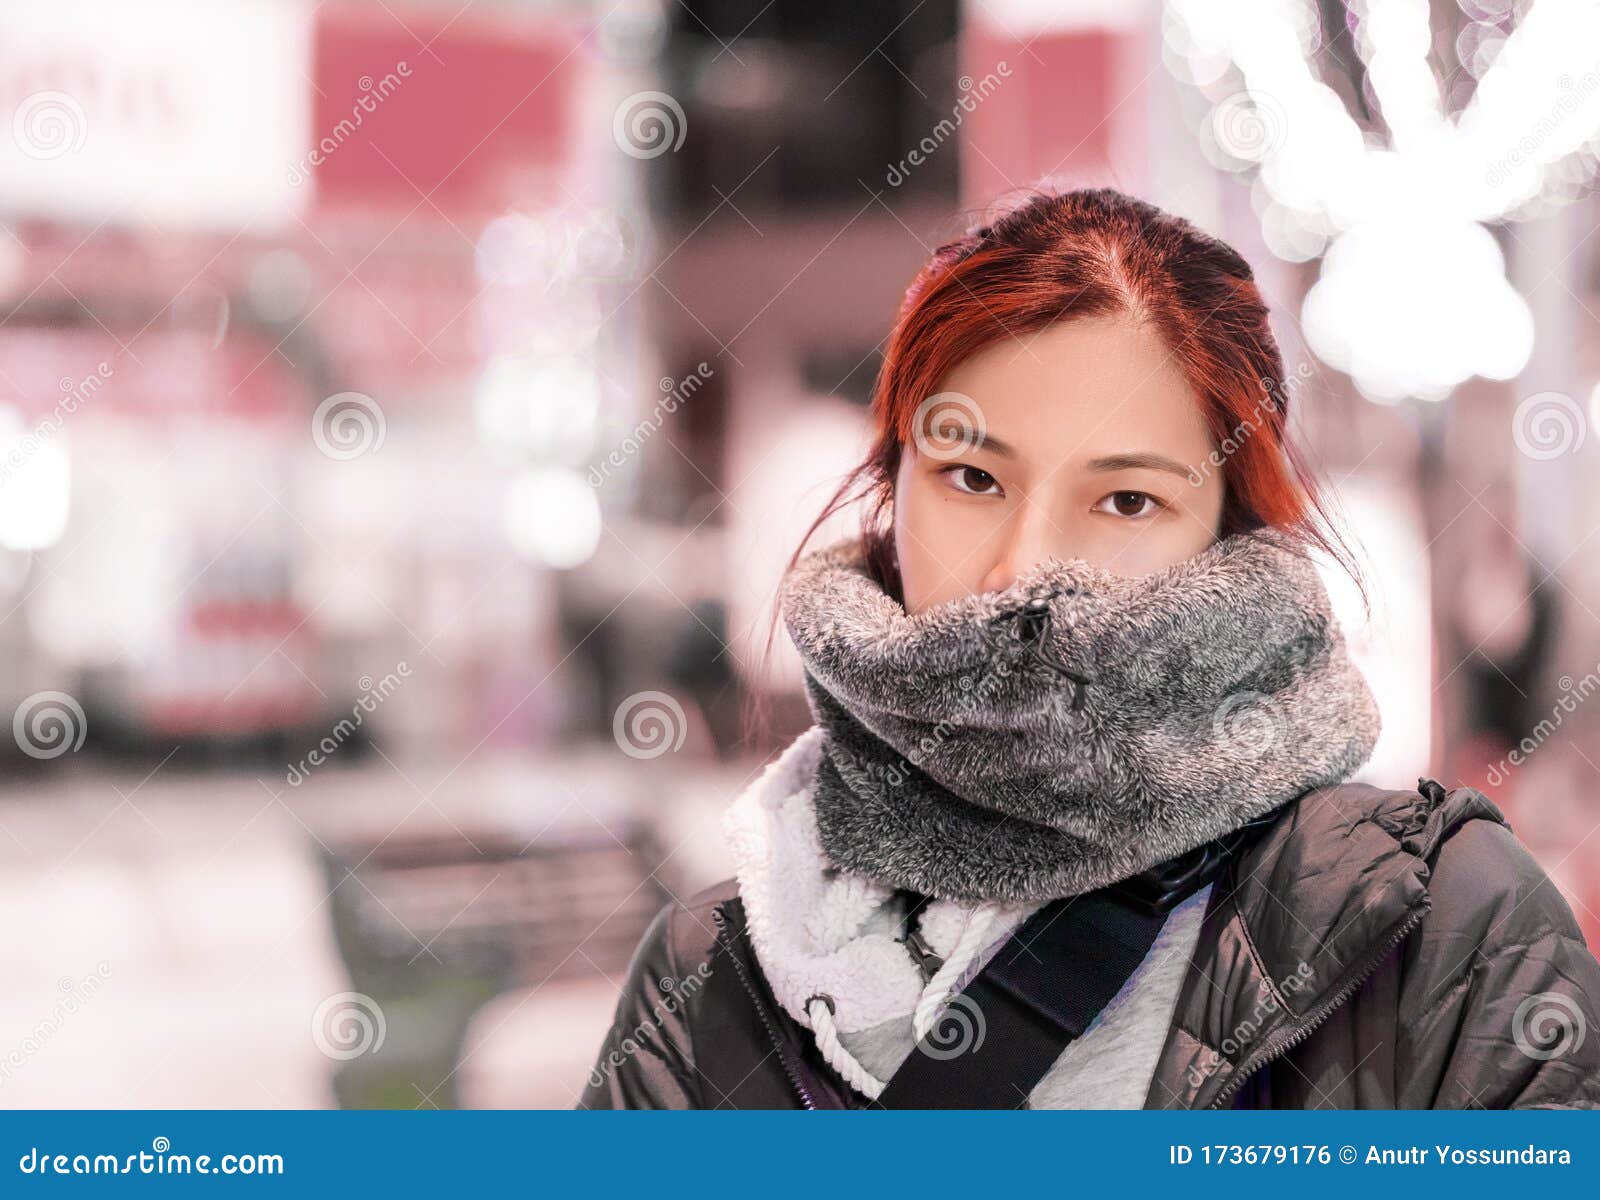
{"x":1079,"y":440}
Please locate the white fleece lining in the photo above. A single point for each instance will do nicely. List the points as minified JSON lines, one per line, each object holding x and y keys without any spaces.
{"x":808,"y":921}
{"x":817,"y":929}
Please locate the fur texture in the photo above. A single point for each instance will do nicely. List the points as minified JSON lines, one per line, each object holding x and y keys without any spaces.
{"x":1075,"y":727}
{"x":817,"y":930}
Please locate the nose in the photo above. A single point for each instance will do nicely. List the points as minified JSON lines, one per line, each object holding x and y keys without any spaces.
{"x":1030,"y":536}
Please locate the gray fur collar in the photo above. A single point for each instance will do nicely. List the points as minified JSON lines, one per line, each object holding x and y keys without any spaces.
{"x":1076,"y":727}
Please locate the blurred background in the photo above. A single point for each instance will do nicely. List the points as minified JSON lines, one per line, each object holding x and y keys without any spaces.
{"x":407,"y":406}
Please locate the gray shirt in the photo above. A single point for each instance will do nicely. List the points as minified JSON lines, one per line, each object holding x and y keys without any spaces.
{"x":1112,"y":1064}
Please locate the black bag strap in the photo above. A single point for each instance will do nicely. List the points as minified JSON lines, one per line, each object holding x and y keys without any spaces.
{"x":1040,"y":991}
{"x":1047,"y":984}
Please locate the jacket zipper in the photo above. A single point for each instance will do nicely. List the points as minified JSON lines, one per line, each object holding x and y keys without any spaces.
{"x":1293,"y":1036}
{"x":789,"y":1067}
{"x":1270,"y":1050}
{"x":928,"y":963}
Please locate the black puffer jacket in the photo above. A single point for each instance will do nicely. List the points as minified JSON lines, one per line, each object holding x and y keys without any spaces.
{"x":1372,"y":949}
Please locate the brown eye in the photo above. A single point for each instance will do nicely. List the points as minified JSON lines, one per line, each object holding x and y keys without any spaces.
{"x":974,"y":480}
{"x":1133,"y":504}
{"x":1129,"y":504}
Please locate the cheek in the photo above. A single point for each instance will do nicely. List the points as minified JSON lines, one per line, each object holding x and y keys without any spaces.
{"x":1201,"y":508}
{"x":937,"y":542}
{"x":1155,"y":554}
{"x":915,"y":535}
{"x":1162,"y":546}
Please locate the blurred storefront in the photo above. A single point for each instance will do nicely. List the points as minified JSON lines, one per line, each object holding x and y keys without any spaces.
{"x":406,"y":409}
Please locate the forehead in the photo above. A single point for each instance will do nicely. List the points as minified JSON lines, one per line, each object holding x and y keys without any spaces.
{"x":1080,"y":387}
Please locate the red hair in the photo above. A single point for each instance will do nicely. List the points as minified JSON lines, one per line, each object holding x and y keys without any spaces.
{"x":1095,"y":252}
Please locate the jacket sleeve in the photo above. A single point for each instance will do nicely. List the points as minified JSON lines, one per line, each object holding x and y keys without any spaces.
{"x":1504,"y":999}
{"x":647,"y":1059}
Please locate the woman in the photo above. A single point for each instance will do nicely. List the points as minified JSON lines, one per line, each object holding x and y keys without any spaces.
{"x":1079,"y":662}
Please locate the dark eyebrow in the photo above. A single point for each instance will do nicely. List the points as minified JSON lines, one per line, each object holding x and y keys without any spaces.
{"x":987,"y":441}
{"x":1130,"y":460}
{"x":1137,"y":461}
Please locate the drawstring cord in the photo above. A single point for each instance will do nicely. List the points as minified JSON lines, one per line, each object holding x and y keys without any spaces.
{"x":973,"y":939}
{"x":820,"y":1010}
{"x":1033,"y":627}
{"x":935,"y":994}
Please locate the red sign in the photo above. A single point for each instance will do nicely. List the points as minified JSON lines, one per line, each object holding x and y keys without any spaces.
{"x":442,"y":107}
